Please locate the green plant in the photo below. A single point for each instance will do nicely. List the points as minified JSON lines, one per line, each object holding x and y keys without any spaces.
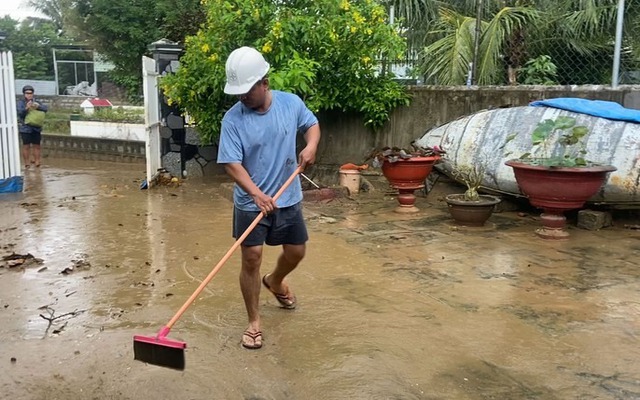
{"x":395,"y":154}
{"x":540,"y":71}
{"x":472,"y":176}
{"x":564,"y":132}
{"x":57,"y":121}
{"x":117,"y":114}
{"x":325,"y":51}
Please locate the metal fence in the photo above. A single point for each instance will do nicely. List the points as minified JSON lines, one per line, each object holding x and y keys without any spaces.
{"x":10,"y":177}
{"x":554,"y":59}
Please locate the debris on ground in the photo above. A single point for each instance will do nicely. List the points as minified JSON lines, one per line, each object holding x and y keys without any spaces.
{"x":164,"y":178}
{"x":52,"y":318}
{"x":78,"y":263}
{"x":14,"y":260}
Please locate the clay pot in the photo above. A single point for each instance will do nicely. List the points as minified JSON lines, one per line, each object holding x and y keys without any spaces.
{"x":558,"y":189}
{"x":407,"y":175}
{"x":471,"y":213}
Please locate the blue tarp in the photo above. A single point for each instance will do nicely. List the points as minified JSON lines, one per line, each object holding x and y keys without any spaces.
{"x":11,"y":185}
{"x":597,"y":108}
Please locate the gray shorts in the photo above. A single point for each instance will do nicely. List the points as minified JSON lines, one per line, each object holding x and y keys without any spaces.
{"x":282,"y":226}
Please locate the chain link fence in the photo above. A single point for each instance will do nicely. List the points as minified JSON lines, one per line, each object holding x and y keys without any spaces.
{"x":529,"y":58}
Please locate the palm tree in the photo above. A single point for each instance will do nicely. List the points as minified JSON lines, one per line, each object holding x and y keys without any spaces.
{"x":52,"y":9}
{"x":447,"y":60}
{"x":577,"y":35}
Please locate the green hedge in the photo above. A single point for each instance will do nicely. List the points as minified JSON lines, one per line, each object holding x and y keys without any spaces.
{"x":57,"y":120}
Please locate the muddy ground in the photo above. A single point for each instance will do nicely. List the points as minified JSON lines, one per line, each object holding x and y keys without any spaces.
{"x":391,"y":306}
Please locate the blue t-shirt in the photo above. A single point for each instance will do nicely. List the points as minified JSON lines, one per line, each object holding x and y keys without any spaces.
{"x":265,"y":145}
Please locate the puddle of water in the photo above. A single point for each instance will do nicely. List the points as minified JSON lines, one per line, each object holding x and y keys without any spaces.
{"x":390,"y":306}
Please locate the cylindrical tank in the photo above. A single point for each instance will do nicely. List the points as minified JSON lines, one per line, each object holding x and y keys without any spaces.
{"x":483,"y":138}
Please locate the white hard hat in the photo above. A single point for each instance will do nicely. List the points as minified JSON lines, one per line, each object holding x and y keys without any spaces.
{"x":245,"y":66}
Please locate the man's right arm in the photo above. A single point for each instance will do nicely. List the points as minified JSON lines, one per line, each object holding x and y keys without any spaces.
{"x":22,"y":109}
{"x":241,"y":177}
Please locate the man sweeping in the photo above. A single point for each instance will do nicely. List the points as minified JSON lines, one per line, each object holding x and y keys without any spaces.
{"x":258,"y":149}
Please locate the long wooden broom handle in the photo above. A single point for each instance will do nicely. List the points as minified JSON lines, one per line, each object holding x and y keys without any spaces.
{"x":226,"y":257}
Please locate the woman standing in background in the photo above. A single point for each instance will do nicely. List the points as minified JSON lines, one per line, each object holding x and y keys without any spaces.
{"x":31,"y":135}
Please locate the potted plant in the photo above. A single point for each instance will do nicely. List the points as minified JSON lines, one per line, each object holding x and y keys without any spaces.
{"x":558,"y":181}
{"x":471,"y":208}
{"x":406,"y":171}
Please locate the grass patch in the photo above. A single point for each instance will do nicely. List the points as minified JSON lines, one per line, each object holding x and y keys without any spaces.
{"x":57,"y":121}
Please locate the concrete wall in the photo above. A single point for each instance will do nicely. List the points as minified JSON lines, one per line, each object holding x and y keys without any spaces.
{"x":108,"y":130}
{"x":62,"y":146}
{"x":42,"y":88}
{"x":345,"y":139}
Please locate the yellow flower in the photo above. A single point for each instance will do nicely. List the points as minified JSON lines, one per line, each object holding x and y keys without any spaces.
{"x":333,"y":36}
{"x":256,"y":14}
{"x":368,"y":31}
{"x":353,"y":29}
{"x":205,"y":48}
{"x":277,"y":30}
{"x":213,"y":57}
{"x":378,"y":14}
{"x":366,"y":60}
{"x":358,"y":18}
{"x":267,"y":47}
{"x":344,"y":5}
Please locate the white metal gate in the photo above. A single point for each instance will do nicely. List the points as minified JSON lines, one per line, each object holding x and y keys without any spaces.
{"x":10,"y":178}
{"x":152,"y":119}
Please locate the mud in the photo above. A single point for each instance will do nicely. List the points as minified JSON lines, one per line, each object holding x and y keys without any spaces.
{"x":391,"y":306}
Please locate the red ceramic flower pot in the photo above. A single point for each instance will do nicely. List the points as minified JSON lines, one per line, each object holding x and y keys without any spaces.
{"x":407,"y":175}
{"x":558,"y":189}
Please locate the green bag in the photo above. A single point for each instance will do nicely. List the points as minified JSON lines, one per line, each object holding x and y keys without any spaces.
{"x":35,"y":118}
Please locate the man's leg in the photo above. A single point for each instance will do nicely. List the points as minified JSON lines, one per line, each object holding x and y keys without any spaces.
{"x":250,"y":287}
{"x":25,"y":155}
{"x":36,"y":154}
{"x":291,"y":256}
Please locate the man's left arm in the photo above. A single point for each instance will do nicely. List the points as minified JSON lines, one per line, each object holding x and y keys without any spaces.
{"x":42,"y":107}
{"x":308,"y":154}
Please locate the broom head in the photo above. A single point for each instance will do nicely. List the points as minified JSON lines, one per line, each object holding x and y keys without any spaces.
{"x":159,"y":350}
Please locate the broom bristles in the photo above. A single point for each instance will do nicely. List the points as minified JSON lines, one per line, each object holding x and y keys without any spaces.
{"x":161,"y":352}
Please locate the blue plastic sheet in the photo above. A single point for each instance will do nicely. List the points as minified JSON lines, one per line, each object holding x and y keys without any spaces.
{"x":11,"y":185}
{"x":597,"y":108}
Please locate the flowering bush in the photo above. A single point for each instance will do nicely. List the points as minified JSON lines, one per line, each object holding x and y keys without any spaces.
{"x":327,"y":52}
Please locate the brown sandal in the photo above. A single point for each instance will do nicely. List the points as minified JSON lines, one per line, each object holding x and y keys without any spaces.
{"x":256,"y":338}
{"x":287,"y":300}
